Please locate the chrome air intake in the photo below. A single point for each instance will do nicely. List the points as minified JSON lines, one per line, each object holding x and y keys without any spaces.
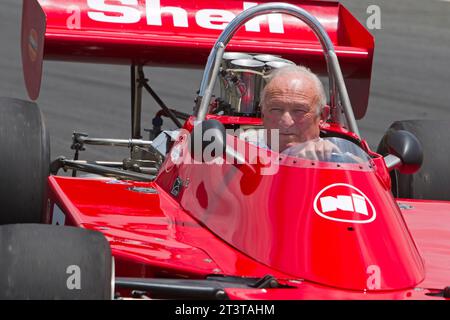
{"x":242,"y":78}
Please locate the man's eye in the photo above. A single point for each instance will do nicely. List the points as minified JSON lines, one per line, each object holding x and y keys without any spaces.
{"x":275,"y":109}
{"x":299,"y":111}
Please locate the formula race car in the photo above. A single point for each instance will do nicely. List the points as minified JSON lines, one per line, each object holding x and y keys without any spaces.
{"x":202,"y":212}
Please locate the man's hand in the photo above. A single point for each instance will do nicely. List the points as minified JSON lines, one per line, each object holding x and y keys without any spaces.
{"x":313,"y":150}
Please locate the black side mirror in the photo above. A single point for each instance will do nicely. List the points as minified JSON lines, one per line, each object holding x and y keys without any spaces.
{"x":208,"y":141}
{"x":406,"y":147}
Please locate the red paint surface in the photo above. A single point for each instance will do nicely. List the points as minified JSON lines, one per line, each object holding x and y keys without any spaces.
{"x":429,"y":224}
{"x":33,"y":30}
{"x":230,"y":219}
{"x":148,"y":232}
{"x":271,"y":218}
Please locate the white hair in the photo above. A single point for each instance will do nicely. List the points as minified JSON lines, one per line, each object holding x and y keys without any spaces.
{"x":299,"y":72}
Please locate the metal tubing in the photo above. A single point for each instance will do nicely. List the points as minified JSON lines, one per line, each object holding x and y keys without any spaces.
{"x":174,"y":288}
{"x":337,"y":85}
{"x":253,"y":12}
{"x":343,"y":94}
{"x":392,"y":161}
{"x":113,"y":164}
{"x":106,"y":171}
{"x":136,"y":102}
{"x":129,"y":143}
{"x":163,"y":106}
{"x":206,"y":97}
{"x":180,"y":114}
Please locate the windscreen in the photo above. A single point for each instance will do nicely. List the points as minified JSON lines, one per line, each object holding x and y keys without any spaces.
{"x":330,"y":149}
{"x":324,"y":150}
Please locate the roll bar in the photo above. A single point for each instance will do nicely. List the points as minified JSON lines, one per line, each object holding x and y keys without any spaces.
{"x":338,"y":91}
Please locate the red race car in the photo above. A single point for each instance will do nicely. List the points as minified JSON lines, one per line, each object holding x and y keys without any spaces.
{"x":203,"y":212}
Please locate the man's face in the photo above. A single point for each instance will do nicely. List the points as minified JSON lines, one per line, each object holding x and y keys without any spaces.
{"x":290,"y":105}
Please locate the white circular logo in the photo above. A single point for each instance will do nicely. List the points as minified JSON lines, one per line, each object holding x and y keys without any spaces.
{"x":344,"y":203}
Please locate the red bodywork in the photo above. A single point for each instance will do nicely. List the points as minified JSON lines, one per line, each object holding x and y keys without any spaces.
{"x":231,"y":219}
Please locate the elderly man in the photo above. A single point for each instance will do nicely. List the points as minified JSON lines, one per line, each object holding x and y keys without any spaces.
{"x":293,"y":102}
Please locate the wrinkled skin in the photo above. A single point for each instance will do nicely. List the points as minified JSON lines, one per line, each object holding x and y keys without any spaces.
{"x":290,"y":106}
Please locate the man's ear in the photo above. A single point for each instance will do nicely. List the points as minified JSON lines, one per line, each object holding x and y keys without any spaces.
{"x":325,"y":114}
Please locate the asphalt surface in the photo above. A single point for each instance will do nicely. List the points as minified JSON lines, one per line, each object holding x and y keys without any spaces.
{"x":411,"y":78}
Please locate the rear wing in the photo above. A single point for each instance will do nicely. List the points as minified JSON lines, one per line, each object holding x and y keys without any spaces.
{"x":175,"y":33}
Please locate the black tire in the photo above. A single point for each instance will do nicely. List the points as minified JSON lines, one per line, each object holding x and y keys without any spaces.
{"x":24,"y":162}
{"x":432,"y":181}
{"x":40,"y":262}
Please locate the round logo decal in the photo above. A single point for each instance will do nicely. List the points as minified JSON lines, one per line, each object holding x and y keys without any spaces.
{"x":344,"y":203}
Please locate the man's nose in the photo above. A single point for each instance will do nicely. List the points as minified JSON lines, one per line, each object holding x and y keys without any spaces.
{"x":286,"y":120}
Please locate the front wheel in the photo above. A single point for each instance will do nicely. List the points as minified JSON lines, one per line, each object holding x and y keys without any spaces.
{"x":24,"y":161}
{"x":44,"y":262}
